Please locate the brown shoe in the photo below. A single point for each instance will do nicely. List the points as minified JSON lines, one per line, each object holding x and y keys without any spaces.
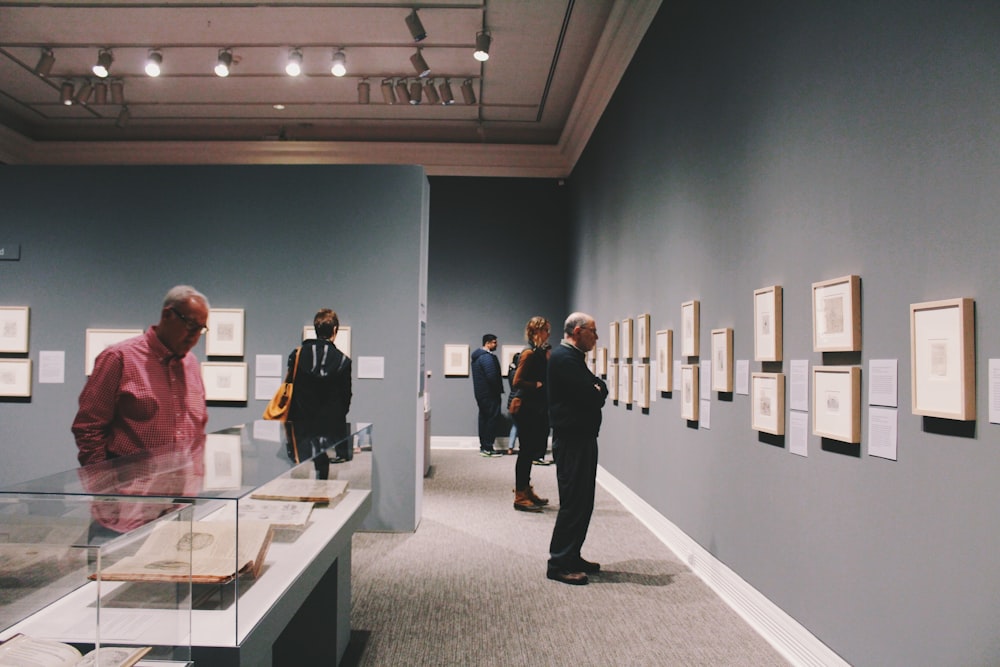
{"x":530,"y":492}
{"x":571,"y":578}
{"x":524,"y":503}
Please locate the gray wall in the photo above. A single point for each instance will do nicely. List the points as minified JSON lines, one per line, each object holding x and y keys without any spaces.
{"x":498,"y":256}
{"x":788,"y":143}
{"x":101,"y":245}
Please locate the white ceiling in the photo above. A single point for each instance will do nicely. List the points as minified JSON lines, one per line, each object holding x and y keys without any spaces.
{"x":552,"y":69}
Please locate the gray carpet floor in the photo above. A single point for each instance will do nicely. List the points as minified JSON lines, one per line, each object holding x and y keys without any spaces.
{"x":469,"y":586}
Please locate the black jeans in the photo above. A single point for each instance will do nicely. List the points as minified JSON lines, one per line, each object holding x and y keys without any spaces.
{"x":533,"y":434}
{"x":489,"y":416}
{"x":576,"y":472}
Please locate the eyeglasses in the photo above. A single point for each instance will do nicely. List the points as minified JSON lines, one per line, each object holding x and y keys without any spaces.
{"x":191,"y":325}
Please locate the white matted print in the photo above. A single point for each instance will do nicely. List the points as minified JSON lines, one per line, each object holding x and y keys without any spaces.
{"x":612,"y":381}
{"x":689,"y":392}
{"x":690,"y":328}
{"x":642,"y":326}
{"x":837,"y":402}
{"x":625,"y":382}
{"x":602,"y":362}
{"x":642,"y":385}
{"x":97,"y":340}
{"x":665,"y":360}
{"x":507,"y":353}
{"x":224,"y":380}
{"x":767,"y":323}
{"x":14,"y":328}
{"x":836,"y":306}
{"x":456,"y":360}
{"x":767,"y":400}
{"x":225,"y":332}
{"x":15,"y":377}
{"x":223,"y":462}
{"x":722,"y":360}
{"x":942,"y":359}
{"x":342,"y":340}
{"x":613,"y":349}
{"x":627,"y":338}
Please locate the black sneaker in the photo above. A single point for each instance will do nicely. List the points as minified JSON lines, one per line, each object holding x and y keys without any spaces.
{"x":542,"y":462}
{"x":489,"y":453}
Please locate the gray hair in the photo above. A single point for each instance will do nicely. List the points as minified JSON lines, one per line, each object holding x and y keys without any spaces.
{"x":180,"y":294}
{"x":575,"y":320}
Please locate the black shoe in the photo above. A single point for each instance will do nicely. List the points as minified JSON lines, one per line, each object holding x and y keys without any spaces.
{"x":571,"y":578}
{"x":587,"y":566}
{"x":489,"y":453}
{"x":542,"y":462}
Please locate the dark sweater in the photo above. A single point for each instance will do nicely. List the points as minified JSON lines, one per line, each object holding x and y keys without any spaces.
{"x":576,"y":395}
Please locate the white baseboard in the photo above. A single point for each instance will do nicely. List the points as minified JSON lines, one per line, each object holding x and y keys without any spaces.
{"x":784,"y":633}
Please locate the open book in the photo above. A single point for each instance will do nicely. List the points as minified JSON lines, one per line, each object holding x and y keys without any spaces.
{"x":25,"y":651}
{"x":204,"y":551}
{"x":304,"y":490}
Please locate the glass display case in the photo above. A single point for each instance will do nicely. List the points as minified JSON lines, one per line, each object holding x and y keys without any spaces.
{"x":187,"y":552}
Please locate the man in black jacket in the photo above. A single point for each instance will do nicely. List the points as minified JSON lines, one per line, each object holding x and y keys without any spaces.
{"x":488,"y":387}
{"x":576,"y":397}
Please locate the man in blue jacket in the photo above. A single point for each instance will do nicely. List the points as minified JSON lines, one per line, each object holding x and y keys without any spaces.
{"x":488,"y":387}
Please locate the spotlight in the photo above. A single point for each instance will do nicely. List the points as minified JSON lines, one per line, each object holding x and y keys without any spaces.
{"x":294,"y":66}
{"x":431,"y":93}
{"x":420,"y":64}
{"x":445,"y":89}
{"x":364,"y":92}
{"x":482,"y":52}
{"x":153,"y":62}
{"x":118,"y":92}
{"x":84,"y":92}
{"x":415,"y":89}
{"x":416,"y":27}
{"x":66,"y":93}
{"x":100,"y":92}
{"x":339,"y":65}
{"x":387,"y":93}
{"x":103,"y":66}
{"x":45,"y":63}
{"x":123,"y":117}
{"x":224,"y":63}
{"x":402,"y":91}
{"x":468,"y":94}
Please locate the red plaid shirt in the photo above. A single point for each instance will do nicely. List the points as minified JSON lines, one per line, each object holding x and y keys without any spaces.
{"x":140,"y":397}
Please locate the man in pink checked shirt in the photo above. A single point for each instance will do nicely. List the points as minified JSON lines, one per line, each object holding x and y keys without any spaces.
{"x":146,"y":393}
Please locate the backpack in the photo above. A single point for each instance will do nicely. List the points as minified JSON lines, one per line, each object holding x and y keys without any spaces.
{"x":511,"y":371}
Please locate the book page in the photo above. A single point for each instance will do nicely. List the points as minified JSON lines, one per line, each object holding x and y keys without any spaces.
{"x":306,"y":490}
{"x":114,"y":656}
{"x":25,"y":651}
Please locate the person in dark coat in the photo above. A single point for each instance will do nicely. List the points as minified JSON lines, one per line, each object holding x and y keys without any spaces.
{"x":488,"y":387}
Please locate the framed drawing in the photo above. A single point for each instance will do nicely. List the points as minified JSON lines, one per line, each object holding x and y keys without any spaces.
{"x":627,"y":339}
{"x":224,"y":380}
{"x":643,"y":327}
{"x":722,"y":360}
{"x":612,"y":381}
{"x":837,"y":402}
{"x":507,"y":353}
{"x":456,"y":360}
{"x":14,"y":328}
{"x":665,"y":360}
{"x":602,"y":361}
{"x":642,"y":385}
{"x":15,"y":377}
{"x":689,"y":392}
{"x":836,"y":309}
{"x":625,"y":382}
{"x":767,"y":323}
{"x":342,"y":340}
{"x":767,"y":400}
{"x":223,"y":462}
{"x":613,"y":340}
{"x":225,"y":332}
{"x":690,"y":328}
{"x":99,"y":339}
{"x":942,"y":359}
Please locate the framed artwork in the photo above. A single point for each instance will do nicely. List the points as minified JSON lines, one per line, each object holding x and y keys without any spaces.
{"x":767,"y":323}
{"x":99,"y":339}
{"x":613,"y":340}
{"x":625,"y":382}
{"x":507,"y":353}
{"x":627,"y":339}
{"x":14,"y":328}
{"x":591,"y":359}
{"x":836,"y":309}
{"x":942,"y":359}
{"x":767,"y":400}
{"x":665,"y":360}
{"x":15,"y":377}
{"x":690,"y":328}
{"x":642,"y":385}
{"x":225,"y":332}
{"x":642,"y":324}
{"x":602,"y":361}
{"x":342,"y":340}
{"x":837,"y":402}
{"x":612,"y":381}
{"x":224,"y":380}
{"x":456,"y":360}
{"x":689,"y":392}
{"x":722,"y":360}
{"x":223,"y":462}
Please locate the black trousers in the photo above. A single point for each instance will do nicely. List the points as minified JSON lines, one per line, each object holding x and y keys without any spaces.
{"x":533,"y":434}
{"x":576,"y":472}
{"x":489,"y":418}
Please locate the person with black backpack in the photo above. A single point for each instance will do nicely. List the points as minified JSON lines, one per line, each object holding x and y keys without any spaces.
{"x":530,"y":409}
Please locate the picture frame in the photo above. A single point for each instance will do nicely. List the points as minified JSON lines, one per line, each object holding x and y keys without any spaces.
{"x":97,"y":340}
{"x":836,"y":313}
{"x":665,"y":360}
{"x":767,"y":342}
{"x":689,"y":392}
{"x":627,"y":339}
{"x":722,"y":360}
{"x":15,"y":377}
{"x":14,"y":322}
{"x":642,"y":325}
{"x":223,"y":462}
{"x":625,"y":383}
{"x":225,"y":332}
{"x":507,"y":353}
{"x":942,"y":359}
{"x":836,"y":404}
{"x":613,"y":349}
{"x":602,"y":362}
{"x":642,"y":388}
{"x":225,"y":380}
{"x":456,"y":360}
{"x":690,"y":328}
{"x":612,"y":381}
{"x":342,"y":340}
{"x":767,"y":400}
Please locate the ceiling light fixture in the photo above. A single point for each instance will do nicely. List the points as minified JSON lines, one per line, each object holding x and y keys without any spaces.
{"x":402,"y":91}
{"x":84,"y":92}
{"x":45,"y":63}
{"x":420,"y":64}
{"x":153,"y":62}
{"x":100,"y":92}
{"x":364,"y":92}
{"x":103,"y":66}
{"x":339,"y":64}
{"x":415,"y":92}
{"x":118,"y":92}
{"x":294,"y":65}
{"x":387,"y":93}
{"x":445,"y":89}
{"x":468,"y":94}
{"x":66,"y":93}
{"x":431,"y":93}
{"x":224,"y":63}
{"x":416,"y":27}
{"x":123,"y":117}
{"x":482,"y":52}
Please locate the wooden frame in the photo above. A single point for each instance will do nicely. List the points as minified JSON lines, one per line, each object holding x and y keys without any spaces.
{"x":943,"y":359}
{"x":767,"y":400}
{"x":612,"y":381}
{"x":642,"y":380}
{"x":665,"y":360}
{"x":224,"y":380}
{"x":690,"y":328}
{"x":97,"y":340}
{"x":507,"y":353}
{"x":627,"y":339}
{"x":15,"y":377}
{"x":642,"y":324}
{"x":767,"y":323}
{"x":625,"y":383}
{"x":342,"y":340}
{"x":836,"y":314}
{"x":613,"y":348}
{"x":456,"y":360}
{"x":836,"y":404}
{"x":602,"y":362}
{"x":225,"y":332}
{"x":689,"y":392}
{"x":14,"y":322}
{"x":722,"y":360}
